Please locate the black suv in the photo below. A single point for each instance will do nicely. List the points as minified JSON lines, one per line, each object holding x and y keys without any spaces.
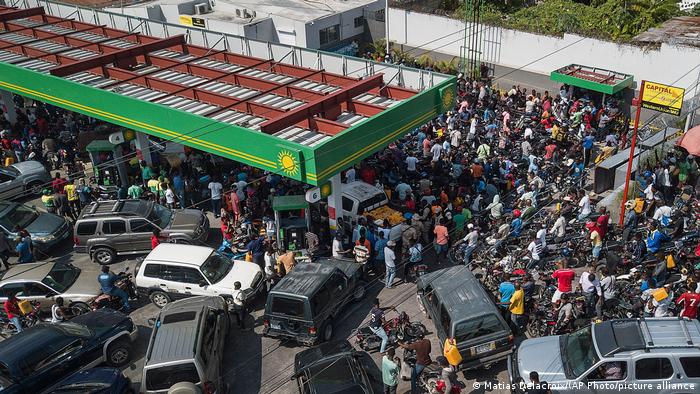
{"x":44,"y":354}
{"x":335,"y":367}
{"x":305,"y":303}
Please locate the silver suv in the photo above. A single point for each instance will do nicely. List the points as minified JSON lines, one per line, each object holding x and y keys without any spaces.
{"x":654,"y":355}
{"x":106,"y":229}
{"x":187,"y":345}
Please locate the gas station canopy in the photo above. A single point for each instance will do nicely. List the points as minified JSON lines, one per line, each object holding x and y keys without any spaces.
{"x":591,"y":78}
{"x":303,"y":123}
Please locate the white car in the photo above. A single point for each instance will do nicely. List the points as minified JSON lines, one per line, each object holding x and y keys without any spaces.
{"x":173,"y":271}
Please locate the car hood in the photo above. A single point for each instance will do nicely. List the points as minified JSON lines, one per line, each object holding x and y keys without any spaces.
{"x":94,"y":375}
{"x":242,"y":271}
{"x":542,"y":355}
{"x":101,"y":321}
{"x":29,"y":167}
{"x":46,"y":223}
{"x":86,"y":285}
{"x":186,"y":220}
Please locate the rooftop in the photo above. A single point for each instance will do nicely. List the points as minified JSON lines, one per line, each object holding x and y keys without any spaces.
{"x":299,"y":10}
{"x":592,"y":78}
{"x":683,"y":30}
{"x":179,"y":253}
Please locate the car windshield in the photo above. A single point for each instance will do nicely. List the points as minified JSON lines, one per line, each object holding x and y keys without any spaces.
{"x":164,"y":377}
{"x":161,"y":216}
{"x":578,"y":352}
{"x":61,"y":277}
{"x":5,"y":377}
{"x":12,"y":171}
{"x":216,"y":267}
{"x":18,"y":215}
{"x":77,"y":330}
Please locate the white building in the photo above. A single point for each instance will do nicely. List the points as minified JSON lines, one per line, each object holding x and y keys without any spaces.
{"x":318,"y":24}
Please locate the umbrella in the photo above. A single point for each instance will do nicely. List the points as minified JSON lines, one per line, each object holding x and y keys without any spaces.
{"x":691,"y":141}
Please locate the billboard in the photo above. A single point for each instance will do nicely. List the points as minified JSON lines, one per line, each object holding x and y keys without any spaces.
{"x":662,"y":98}
{"x":189,"y":20}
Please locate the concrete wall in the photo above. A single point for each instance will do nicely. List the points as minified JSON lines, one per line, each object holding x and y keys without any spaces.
{"x":524,"y":50}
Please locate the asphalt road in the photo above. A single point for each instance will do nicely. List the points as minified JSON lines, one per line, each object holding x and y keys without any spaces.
{"x":254,"y":364}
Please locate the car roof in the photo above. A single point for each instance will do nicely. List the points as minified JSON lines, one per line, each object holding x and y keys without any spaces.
{"x":309,"y":357}
{"x":27,"y":271}
{"x":460,"y":292}
{"x":360,"y":190}
{"x":6,"y":205}
{"x":119,"y":208}
{"x":306,"y":278}
{"x":179,"y":253}
{"x":624,"y":336}
{"x":18,"y":346}
{"x":177,"y":340}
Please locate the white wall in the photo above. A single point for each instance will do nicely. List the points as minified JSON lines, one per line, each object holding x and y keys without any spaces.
{"x":518,"y":49}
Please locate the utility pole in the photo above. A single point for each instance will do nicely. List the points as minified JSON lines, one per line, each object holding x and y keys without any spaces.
{"x":691,"y":114}
{"x":386,"y":26}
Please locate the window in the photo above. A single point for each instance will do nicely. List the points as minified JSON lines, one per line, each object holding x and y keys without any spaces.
{"x":614,"y":370}
{"x":208,"y":334}
{"x":141,"y":226}
{"x":13,"y":288}
{"x":114,"y":227}
{"x":478,"y":327}
{"x":691,"y":366}
{"x":379,"y":16}
{"x":153,"y":270}
{"x":329,"y":35}
{"x":359,"y":21}
{"x":191,"y":275}
{"x":163,"y":378}
{"x":653,"y":369}
{"x":172,"y":273}
{"x":288,"y":306}
{"x":86,"y":228}
{"x":35,"y":290}
{"x":61,"y":277}
{"x":347,"y":204}
{"x":445,"y":320}
{"x":62,"y":353}
{"x":336,"y":284}
{"x":368,"y":203}
{"x":320,"y":301}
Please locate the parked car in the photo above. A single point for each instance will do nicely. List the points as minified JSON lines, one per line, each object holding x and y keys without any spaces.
{"x":336,"y":367}
{"x":460,"y":308}
{"x":304,"y":305}
{"x":26,"y":177}
{"x":651,"y":355}
{"x":103,"y":380}
{"x":173,"y":271}
{"x":40,"y":356}
{"x":46,"y":229}
{"x":106,"y":229}
{"x":187,"y":345}
{"x":42,"y":282}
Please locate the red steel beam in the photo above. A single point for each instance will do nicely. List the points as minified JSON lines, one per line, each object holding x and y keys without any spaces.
{"x":124,"y":58}
{"x":6,"y":15}
{"x":326,"y":126}
{"x":361,"y":108}
{"x":327,"y":103}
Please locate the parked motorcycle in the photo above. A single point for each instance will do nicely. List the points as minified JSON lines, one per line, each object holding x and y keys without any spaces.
{"x":398,"y":329}
{"x":430,"y":381}
{"x":125,"y":282}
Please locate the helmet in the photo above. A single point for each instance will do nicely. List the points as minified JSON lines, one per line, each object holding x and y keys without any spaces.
{"x":630,"y":204}
{"x":46,"y":191}
{"x":516,"y":213}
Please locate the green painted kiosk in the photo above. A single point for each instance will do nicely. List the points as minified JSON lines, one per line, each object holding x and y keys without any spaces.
{"x":597,"y":83}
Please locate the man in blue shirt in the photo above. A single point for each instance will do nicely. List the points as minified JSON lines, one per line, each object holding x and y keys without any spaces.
{"x":506,"y":289}
{"x":24,"y":250}
{"x":655,"y":238}
{"x":587,"y":145}
{"x":107,"y":280}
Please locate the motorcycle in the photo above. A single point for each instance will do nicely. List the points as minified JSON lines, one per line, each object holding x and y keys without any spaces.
{"x":430,"y":381}
{"x":7,"y":328}
{"x":398,"y":329}
{"x":125,"y":282}
{"x":233,"y":250}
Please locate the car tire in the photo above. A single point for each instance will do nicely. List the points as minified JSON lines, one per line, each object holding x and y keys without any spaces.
{"x":34,"y":188}
{"x":360,"y":291}
{"x":103,"y":256}
{"x":79,"y":308}
{"x":326,"y":331}
{"x":119,"y":353}
{"x":159,"y":298}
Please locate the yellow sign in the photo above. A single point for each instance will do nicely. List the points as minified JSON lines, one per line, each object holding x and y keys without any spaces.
{"x":188,"y":20}
{"x":662,"y":98}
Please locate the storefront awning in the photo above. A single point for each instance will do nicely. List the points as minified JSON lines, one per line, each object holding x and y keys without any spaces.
{"x":591,"y":78}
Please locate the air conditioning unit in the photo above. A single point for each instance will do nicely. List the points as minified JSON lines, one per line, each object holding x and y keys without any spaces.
{"x":246,"y":14}
{"x":202,"y":8}
{"x":254,"y":14}
{"x":211,"y":4}
{"x":239,"y":13}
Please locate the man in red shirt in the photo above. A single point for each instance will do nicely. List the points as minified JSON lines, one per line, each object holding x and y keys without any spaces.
{"x":690,"y":301}
{"x":564,"y":276}
{"x":13,"y":312}
{"x":155,"y":238}
{"x":58,"y":183}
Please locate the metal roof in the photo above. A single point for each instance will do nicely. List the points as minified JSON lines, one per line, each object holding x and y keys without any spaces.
{"x":592,"y":78}
{"x":179,"y":253}
{"x":270,"y":112}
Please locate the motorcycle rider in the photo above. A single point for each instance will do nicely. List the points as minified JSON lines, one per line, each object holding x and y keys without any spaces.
{"x":59,"y":312}
{"x":13,"y":312}
{"x":376,"y":324}
{"x":449,"y":377}
{"x":565,"y":313}
{"x":107,"y":281}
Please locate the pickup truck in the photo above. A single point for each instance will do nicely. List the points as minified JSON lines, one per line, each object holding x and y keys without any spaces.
{"x":363,"y":199}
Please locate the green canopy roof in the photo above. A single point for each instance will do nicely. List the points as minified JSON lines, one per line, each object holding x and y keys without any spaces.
{"x":100,"y":146}
{"x":591,"y":78}
{"x":289,"y":203}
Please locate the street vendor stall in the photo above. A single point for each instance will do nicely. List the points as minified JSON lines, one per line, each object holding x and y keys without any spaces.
{"x":597,"y":84}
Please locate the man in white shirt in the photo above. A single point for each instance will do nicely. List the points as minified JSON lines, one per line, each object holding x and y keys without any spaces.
{"x":402,"y":189}
{"x":238,"y":305}
{"x":455,"y":137}
{"x":471,"y":239}
{"x":436,"y":150}
{"x":542,"y":235}
{"x":411,"y":162}
{"x":350,"y":175}
{"x":390,"y":262}
{"x":535,"y":248}
{"x":559,"y":228}
{"x":215,"y":188}
{"x":585,"y":206}
{"x":528,"y":133}
{"x":663,"y":215}
{"x":240,"y":190}
{"x":590,"y":286}
{"x":526,"y":148}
